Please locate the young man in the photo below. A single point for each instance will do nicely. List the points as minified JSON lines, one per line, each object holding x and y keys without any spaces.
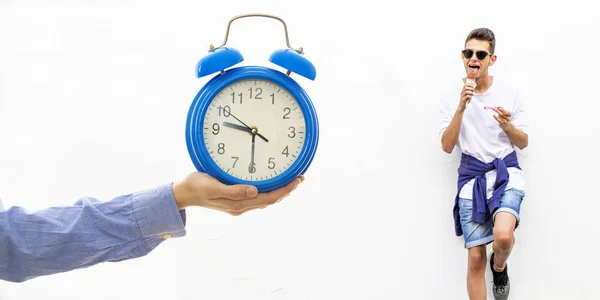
{"x":486,"y":122}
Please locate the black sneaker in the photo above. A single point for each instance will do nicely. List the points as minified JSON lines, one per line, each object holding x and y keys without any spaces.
{"x":501,"y":283}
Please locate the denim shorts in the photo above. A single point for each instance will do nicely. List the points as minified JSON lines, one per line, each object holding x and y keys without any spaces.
{"x":476,"y":234}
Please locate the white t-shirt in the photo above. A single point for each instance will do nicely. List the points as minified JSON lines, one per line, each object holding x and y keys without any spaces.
{"x":480,"y":134}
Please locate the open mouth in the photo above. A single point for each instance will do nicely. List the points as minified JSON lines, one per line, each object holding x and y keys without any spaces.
{"x":473,"y":70}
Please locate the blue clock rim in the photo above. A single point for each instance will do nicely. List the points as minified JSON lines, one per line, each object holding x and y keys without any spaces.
{"x":195,"y":123}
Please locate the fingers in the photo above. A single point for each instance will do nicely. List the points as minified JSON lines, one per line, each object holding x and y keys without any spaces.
{"x":280,"y":194}
{"x":467,"y":93}
{"x":503,"y":116}
{"x":501,"y":121}
{"x":233,"y":192}
{"x":237,"y":207}
{"x":466,"y":99}
{"x":284,"y":191}
{"x":505,"y":113}
{"x":502,"y":113}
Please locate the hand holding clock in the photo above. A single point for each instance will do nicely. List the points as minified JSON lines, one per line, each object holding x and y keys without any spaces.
{"x":200,"y":189}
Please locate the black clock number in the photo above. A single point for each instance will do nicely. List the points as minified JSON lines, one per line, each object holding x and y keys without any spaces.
{"x":216,"y":128}
{"x":273,"y":98}
{"x":287,"y":111}
{"x":225,"y":111}
{"x":235,"y":159}
{"x":221,"y":148}
{"x":292,"y":133}
{"x":271,"y":163}
{"x":285,"y":151}
{"x":233,"y":97}
{"x":258,"y":93}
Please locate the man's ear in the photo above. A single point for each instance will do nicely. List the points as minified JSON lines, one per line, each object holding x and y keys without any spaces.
{"x":493,"y":59}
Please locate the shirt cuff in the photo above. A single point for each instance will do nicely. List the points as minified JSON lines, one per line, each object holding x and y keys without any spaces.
{"x":157,"y":213}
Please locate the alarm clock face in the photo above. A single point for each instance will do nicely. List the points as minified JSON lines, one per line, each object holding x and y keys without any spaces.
{"x":254,"y":129}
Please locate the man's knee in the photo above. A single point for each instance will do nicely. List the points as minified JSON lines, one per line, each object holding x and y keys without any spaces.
{"x":477,"y":259}
{"x":504,"y":238}
{"x":504,"y":228}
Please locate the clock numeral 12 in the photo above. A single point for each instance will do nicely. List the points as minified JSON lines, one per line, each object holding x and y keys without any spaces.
{"x":258,"y":93}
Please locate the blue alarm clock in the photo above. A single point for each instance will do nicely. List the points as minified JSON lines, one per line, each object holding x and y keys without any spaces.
{"x":252,"y":124}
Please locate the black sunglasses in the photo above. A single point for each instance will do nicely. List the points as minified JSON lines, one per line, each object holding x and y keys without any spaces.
{"x":468,"y":53}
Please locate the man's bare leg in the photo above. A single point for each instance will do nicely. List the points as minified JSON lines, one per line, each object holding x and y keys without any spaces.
{"x":477,"y":260}
{"x":504,"y":238}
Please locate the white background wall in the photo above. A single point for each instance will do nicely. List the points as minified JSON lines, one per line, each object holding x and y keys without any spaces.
{"x":93,"y":101}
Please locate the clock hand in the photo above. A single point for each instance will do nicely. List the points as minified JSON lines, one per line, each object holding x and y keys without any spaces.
{"x":238,"y":127}
{"x":251,"y":167}
{"x":239,"y":120}
{"x":242,"y":128}
{"x":262,"y":137}
{"x":247,"y":128}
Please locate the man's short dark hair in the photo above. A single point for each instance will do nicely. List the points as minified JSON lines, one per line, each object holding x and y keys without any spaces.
{"x":483,"y":34}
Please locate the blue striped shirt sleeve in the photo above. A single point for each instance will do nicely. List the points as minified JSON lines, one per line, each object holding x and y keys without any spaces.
{"x":63,"y":238}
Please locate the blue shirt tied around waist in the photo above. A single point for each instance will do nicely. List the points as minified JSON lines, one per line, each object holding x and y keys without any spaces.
{"x":60,"y":239}
{"x":472,"y":168}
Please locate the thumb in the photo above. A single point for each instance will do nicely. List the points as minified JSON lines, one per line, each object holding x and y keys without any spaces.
{"x":237,"y":192}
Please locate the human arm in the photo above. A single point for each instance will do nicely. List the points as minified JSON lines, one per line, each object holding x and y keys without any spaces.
{"x":517,"y":137}
{"x":450,"y":135}
{"x":451,"y":130}
{"x":65,"y":238}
